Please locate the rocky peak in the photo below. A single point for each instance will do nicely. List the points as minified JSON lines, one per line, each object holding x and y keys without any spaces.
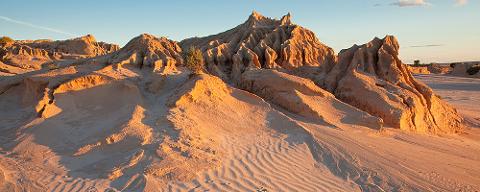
{"x":391,"y":43}
{"x":150,"y":43}
{"x":89,"y":38}
{"x":141,"y":42}
{"x":372,"y":78}
{"x":256,"y":16}
{"x":148,"y":50}
{"x":262,"y":42}
{"x":257,"y":20}
{"x":286,"y":19}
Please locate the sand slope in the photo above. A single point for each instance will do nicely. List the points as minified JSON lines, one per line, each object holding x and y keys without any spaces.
{"x":462,"y":92}
{"x":216,"y":137}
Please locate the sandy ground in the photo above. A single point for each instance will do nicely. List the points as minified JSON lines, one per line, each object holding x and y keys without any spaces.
{"x":428,"y":163}
{"x":461,"y":92}
{"x":236,"y":142}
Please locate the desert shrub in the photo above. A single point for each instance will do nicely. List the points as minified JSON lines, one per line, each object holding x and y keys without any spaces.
{"x":6,"y":40}
{"x":193,"y":59}
{"x":473,"y":70}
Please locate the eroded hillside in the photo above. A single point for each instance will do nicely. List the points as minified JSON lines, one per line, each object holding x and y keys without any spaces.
{"x":276,"y":109}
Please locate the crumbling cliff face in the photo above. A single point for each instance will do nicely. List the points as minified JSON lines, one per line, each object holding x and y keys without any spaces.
{"x":301,"y":96}
{"x":263,"y":42}
{"x":149,"y":51}
{"x":371,"y":77}
{"x":27,"y":55}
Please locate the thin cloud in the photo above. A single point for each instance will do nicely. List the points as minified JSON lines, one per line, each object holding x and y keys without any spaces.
{"x":461,"y":2}
{"x":431,"y":45}
{"x":416,"y":3}
{"x":410,"y":3}
{"x":36,"y":26}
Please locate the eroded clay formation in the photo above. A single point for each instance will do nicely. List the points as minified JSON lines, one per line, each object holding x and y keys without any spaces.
{"x":263,"y":42}
{"x":371,"y":77}
{"x":26,"y":55}
{"x":471,"y":69}
{"x":373,"y":69}
{"x":430,"y":69}
{"x":135,"y":114}
{"x":107,"y":91}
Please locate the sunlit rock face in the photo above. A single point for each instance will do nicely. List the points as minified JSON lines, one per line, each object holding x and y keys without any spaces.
{"x":372,"y":78}
{"x":96,"y":109}
{"x":28,"y":55}
{"x":263,"y":42}
{"x":301,"y":96}
{"x":158,"y":53}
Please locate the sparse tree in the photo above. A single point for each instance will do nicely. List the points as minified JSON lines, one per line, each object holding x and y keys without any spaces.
{"x":193,"y":59}
{"x":416,"y":63}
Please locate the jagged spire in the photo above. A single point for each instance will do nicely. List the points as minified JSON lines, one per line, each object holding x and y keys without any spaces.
{"x":255,"y":18}
{"x":286,"y":19}
{"x":256,"y":14}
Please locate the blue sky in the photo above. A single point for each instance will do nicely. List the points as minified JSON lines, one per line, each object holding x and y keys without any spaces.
{"x":429,"y":30}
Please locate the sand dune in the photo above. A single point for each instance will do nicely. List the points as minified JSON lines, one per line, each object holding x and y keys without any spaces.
{"x":273,"y":164}
{"x":251,"y":145}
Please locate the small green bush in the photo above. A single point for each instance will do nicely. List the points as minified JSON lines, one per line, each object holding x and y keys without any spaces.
{"x":6,"y":40}
{"x":473,"y":70}
{"x":193,"y":59}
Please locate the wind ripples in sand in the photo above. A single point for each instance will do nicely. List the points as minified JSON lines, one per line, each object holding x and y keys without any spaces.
{"x":268,"y":164}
